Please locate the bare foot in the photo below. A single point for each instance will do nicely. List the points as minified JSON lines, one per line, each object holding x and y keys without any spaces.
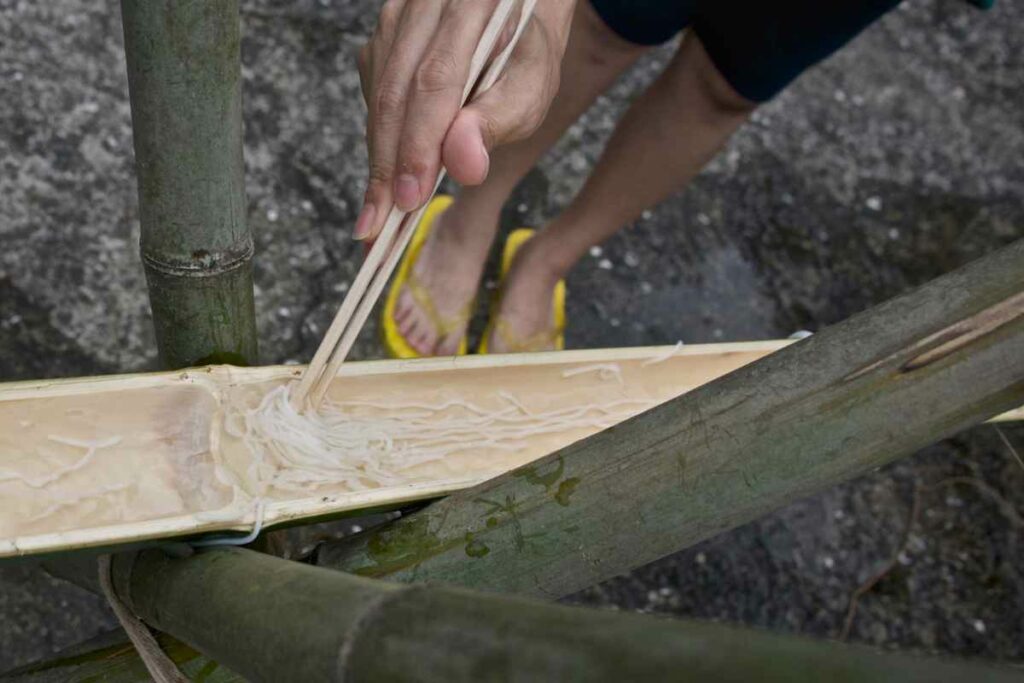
{"x":524,"y":317}
{"x":449,"y":267}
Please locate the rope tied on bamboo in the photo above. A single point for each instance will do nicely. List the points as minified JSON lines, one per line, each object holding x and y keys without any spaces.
{"x":160,"y":666}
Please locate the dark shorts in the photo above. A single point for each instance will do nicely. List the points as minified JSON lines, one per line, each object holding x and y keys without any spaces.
{"x":758,"y":46}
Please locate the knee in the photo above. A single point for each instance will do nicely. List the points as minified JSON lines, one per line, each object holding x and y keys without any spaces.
{"x":602,"y":47}
{"x":698,"y":73}
{"x":721,"y":96}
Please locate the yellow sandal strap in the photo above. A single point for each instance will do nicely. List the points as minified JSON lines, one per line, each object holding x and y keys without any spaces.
{"x":540,"y":341}
{"x":443,"y":325}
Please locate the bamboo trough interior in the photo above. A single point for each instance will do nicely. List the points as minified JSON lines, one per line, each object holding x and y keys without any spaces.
{"x":106,"y":461}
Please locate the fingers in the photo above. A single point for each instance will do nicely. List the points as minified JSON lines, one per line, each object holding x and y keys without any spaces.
{"x":464,"y":153}
{"x":435,"y":98}
{"x":391,"y":66}
{"x":373,"y":55}
{"x":414,"y":72}
{"x":511,"y":110}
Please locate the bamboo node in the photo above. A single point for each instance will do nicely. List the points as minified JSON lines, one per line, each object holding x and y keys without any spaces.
{"x":205,"y":264}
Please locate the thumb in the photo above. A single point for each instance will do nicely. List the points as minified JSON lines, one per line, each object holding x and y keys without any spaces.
{"x":464,"y":153}
{"x":497,"y":117}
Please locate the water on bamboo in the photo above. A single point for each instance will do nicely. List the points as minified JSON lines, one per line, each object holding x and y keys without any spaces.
{"x":161,"y":455}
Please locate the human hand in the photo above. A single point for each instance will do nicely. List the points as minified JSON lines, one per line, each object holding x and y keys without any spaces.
{"x":413,"y":73}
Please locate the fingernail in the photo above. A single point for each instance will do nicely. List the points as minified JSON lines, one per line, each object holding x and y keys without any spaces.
{"x":487,"y":160}
{"x":407,"y":192}
{"x":365,"y":221}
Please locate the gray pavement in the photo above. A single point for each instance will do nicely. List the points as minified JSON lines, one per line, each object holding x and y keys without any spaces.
{"x":897,"y":160}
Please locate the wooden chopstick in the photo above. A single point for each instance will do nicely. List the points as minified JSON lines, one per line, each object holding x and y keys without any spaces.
{"x":365,"y":307}
{"x":398,"y":228}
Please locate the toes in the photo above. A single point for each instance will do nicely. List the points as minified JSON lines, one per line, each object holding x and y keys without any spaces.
{"x":494,"y":344}
{"x":429,"y":342}
{"x":418,"y":334}
{"x":402,"y":312}
{"x":418,"y":329}
{"x":412,"y":324}
{"x":406,"y":324}
{"x":403,"y":307}
{"x":421,"y":342}
{"x":449,"y":346}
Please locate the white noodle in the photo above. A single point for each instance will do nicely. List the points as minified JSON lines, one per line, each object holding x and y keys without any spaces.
{"x":91,"y":447}
{"x":344,"y":444}
{"x":662,"y":357}
{"x":257,"y":526}
{"x":605,"y":371}
{"x":84,"y":498}
{"x":84,"y":443}
{"x":358,"y":444}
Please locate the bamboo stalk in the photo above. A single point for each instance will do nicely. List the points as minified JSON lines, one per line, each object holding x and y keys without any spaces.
{"x":110,"y":658}
{"x":184,"y":79}
{"x":272,"y":620}
{"x":847,"y":400}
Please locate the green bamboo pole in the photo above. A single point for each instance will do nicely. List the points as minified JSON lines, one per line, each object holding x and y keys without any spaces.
{"x":110,"y":658}
{"x":847,"y":400}
{"x":273,"y":620}
{"x":851,"y":398}
{"x":184,"y":76}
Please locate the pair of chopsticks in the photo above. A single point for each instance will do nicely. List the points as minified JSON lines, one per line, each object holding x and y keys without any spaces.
{"x":387,"y":250}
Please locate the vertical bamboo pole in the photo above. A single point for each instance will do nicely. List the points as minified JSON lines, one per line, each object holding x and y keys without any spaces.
{"x":184,"y":76}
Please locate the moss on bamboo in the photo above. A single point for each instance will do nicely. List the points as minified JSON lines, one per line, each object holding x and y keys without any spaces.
{"x":849,"y":399}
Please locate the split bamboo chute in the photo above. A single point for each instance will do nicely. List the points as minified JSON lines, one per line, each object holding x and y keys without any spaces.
{"x":107,"y":461}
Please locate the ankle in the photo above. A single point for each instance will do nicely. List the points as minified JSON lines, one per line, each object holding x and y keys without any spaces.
{"x":541,"y":261}
{"x":467,"y":228}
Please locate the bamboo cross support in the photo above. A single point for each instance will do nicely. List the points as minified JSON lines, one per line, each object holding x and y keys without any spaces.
{"x":849,"y":399}
{"x":272,"y":620}
{"x":844,"y":401}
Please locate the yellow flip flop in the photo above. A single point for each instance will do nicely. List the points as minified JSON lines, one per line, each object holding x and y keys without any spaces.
{"x":396,"y":344}
{"x":536,"y":342}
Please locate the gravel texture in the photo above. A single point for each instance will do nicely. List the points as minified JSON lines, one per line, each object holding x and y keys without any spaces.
{"x":895,"y":161}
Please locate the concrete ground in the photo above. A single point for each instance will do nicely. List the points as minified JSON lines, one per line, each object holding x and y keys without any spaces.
{"x":897,"y":160}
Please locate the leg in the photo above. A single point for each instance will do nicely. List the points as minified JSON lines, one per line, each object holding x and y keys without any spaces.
{"x":663,"y":141}
{"x":452,"y":260}
{"x":739,"y":53}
